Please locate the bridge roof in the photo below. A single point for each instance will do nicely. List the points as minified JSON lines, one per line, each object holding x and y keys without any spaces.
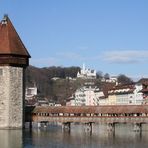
{"x":93,"y":109}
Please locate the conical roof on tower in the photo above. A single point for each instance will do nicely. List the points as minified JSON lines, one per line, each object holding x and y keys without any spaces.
{"x":11,"y":45}
{"x":10,"y":42}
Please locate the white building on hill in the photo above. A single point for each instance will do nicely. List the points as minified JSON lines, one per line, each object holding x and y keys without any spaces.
{"x":86,"y":73}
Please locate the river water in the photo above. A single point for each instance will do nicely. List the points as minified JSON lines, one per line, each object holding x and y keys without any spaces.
{"x":54,"y":137}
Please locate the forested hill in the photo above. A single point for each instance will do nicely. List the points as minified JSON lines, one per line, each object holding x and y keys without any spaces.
{"x":42,"y":78}
{"x":34,"y":73}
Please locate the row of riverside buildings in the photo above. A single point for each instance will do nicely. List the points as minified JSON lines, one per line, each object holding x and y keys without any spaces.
{"x":91,"y":95}
{"x":127,"y":94}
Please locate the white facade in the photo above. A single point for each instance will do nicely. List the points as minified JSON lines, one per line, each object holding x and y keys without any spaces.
{"x":87,"y":95}
{"x":86,"y":73}
{"x":112,"y":79}
{"x":138,"y":95}
{"x":30,"y":93}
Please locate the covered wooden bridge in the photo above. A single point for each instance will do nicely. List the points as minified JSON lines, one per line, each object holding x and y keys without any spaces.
{"x":136,"y":114}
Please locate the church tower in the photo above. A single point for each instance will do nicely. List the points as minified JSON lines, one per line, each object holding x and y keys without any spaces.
{"x":14,"y":58}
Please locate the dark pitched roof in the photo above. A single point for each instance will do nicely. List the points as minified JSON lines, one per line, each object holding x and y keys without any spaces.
{"x":10,"y":42}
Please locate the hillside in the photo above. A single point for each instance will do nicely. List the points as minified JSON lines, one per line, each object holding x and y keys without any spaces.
{"x":47,"y":87}
{"x":53,"y":82}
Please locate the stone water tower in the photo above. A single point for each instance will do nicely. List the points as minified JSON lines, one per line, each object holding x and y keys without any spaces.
{"x":14,"y":58}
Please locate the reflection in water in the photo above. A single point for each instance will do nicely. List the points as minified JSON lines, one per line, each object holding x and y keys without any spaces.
{"x":124,"y":137}
{"x":11,"y":139}
{"x":54,"y":137}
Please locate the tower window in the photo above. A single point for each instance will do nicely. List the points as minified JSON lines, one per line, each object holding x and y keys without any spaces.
{"x":1,"y":72}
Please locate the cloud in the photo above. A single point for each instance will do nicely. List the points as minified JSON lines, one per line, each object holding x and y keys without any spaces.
{"x":126,"y":56}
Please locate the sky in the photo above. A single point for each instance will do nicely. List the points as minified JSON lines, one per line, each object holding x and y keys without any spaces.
{"x":107,"y":35}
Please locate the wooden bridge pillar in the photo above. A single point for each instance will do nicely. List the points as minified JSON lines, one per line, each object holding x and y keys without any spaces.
{"x":88,"y":127}
{"x":66,"y":126}
{"x":137,"y":127}
{"x":111,"y":127}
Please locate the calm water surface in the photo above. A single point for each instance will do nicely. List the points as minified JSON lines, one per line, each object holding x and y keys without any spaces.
{"x":54,"y":137}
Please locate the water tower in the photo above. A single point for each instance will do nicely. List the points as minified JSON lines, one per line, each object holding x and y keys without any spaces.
{"x":14,"y":58}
